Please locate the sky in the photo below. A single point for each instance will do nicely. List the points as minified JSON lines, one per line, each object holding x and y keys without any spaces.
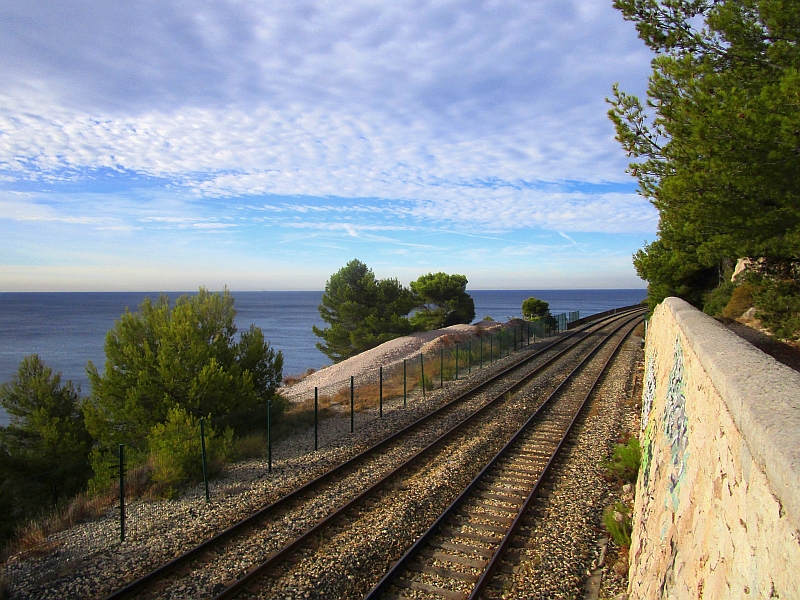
{"x":163,"y":145}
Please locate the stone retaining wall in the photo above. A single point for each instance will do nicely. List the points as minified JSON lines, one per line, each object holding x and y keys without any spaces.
{"x":717,"y":511}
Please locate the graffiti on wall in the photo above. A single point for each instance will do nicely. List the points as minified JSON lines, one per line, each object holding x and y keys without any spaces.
{"x":676,"y":424}
{"x":649,"y":392}
{"x":648,"y":395}
{"x":673,"y":423}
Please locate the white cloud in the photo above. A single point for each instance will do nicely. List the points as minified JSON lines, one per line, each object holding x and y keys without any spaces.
{"x":288,"y":136}
{"x":439,"y":103}
{"x":21,"y":209}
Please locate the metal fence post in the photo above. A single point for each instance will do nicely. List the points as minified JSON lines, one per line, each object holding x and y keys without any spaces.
{"x":422,"y":372}
{"x":203,"y":453}
{"x":121,"y":493}
{"x":269,"y":435}
{"x":380,"y":387}
{"x":352,"y":405}
{"x":481,"y":353}
{"x":491,"y":348}
{"x":404,"y":382}
{"x":456,"y":377}
{"x":316,"y":418}
{"x":441,"y":368}
{"x":469,"y":357}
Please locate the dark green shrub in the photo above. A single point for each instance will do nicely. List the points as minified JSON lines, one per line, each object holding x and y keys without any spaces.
{"x":428,"y":382}
{"x":253,"y":419}
{"x":778,"y":306}
{"x":625,"y":460}
{"x":176,"y":454}
{"x":715,"y":301}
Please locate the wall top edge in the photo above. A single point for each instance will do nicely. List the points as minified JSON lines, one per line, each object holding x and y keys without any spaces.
{"x":761,"y":394}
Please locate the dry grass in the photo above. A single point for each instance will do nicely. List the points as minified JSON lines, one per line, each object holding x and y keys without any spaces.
{"x":32,"y":538}
{"x":741,"y":300}
{"x":292,"y":379}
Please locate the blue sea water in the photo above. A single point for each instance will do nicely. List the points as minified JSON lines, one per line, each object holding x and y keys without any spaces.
{"x":67,"y":329}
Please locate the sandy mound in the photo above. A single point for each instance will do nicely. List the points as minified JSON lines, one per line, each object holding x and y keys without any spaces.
{"x":334,"y":377}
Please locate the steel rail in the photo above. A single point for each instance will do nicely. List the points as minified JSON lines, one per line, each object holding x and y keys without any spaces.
{"x":494,"y":562}
{"x":172,"y":565}
{"x":381,"y":587}
{"x":257,"y":571}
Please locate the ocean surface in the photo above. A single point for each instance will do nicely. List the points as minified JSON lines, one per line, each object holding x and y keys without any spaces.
{"x":67,"y":329}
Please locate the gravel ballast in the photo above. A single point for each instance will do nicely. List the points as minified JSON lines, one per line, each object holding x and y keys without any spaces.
{"x":169,"y":527}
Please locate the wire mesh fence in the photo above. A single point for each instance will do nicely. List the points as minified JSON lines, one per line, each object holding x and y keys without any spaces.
{"x":134,"y":490}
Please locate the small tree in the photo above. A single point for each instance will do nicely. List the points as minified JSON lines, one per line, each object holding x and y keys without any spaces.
{"x":361,"y":311}
{"x":46,"y":423}
{"x":187,"y":356}
{"x":442,"y":300}
{"x":533,"y":309}
{"x":43,"y":451}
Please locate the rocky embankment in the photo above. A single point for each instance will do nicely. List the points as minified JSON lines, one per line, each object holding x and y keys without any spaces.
{"x":331,"y":379}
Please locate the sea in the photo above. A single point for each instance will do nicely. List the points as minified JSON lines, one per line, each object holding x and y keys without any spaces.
{"x":68,"y":329}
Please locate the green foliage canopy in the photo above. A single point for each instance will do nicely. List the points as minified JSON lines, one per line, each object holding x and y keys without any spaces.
{"x":718,"y":143}
{"x":442,"y":300}
{"x":175,"y":450}
{"x":533,"y":308}
{"x":362,"y":312}
{"x":46,"y":421}
{"x":162,"y":357}
{"x":43,"y":450}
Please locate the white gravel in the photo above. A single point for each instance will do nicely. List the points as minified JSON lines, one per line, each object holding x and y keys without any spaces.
{"x":332,"y":378}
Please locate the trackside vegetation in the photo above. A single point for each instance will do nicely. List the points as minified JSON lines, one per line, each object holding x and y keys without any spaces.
{"x":167,"y":366}
{"x":363,"y":312}
{"x":716,"y":149}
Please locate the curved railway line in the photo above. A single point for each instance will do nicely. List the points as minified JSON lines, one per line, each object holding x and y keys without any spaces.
{"x":402,"y":497}
{"x":466,"y":545}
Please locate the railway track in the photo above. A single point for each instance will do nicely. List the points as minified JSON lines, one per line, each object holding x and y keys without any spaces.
{"x":459,"y":554}
{"x":262,"y":549}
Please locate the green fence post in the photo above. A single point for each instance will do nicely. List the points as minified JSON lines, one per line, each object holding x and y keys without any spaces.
{"x":121,"y":493}
{"x":469,"y":357}
{"x":269,"y":435}
{"x":404,"y":382}
{"x":422,"y":373}
{"x":316,"y":419}
{"x":515,"y":338}
{"x":481,"y":353}
{"x":491,"y":348}
{"x":441,"y":368}
{"x":380,"y":387}
{"x":352,"y":405}
{"x":456,"y":377}
{"x":203,"y":453}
